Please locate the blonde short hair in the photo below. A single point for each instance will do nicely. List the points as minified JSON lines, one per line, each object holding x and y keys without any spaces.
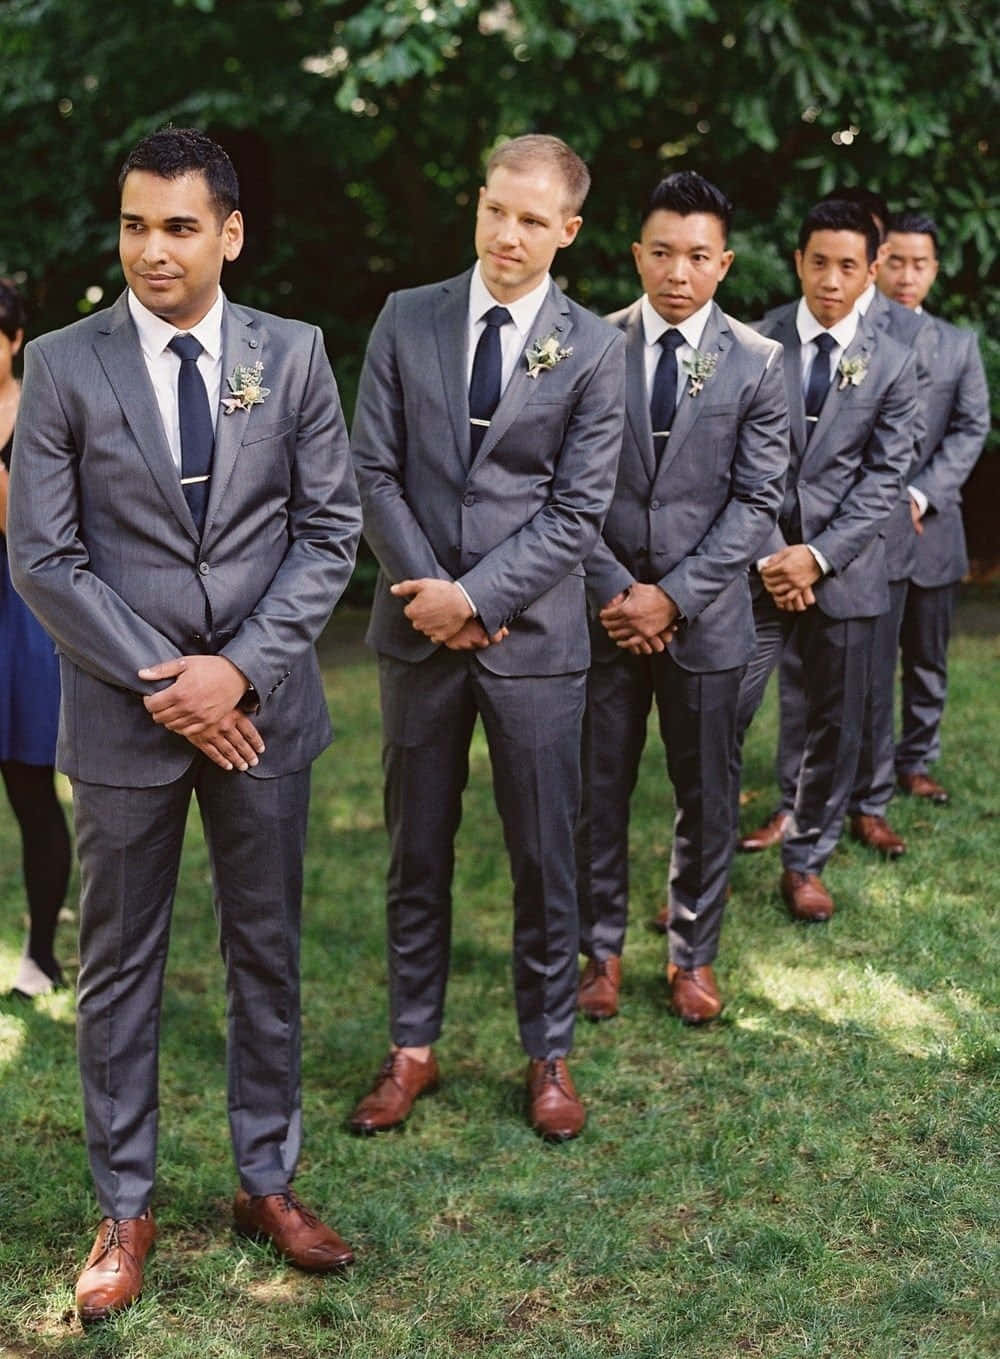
{"x":524,"y":153}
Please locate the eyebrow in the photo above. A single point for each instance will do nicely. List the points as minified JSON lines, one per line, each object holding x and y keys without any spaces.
{"x":180,"y":218}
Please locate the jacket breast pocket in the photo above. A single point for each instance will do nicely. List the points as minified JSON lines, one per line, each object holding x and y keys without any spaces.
{"x":256,"y":434}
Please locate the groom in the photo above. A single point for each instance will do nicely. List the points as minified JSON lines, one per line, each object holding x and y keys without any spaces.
{"x":183,"y":531}
{"x":487,"y":433}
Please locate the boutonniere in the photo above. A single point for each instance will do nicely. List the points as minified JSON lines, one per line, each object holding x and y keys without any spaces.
{"x":545,"y":354}
{"x":699,"y":368}
{"x":853,"y":371}
{"x":246,"y":388}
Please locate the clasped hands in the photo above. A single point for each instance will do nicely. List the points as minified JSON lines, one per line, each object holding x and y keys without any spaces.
{"x":201,"y":705}
{"x":440,"y":610}
{"x":789,"y":576}
{"x":641,"y":619}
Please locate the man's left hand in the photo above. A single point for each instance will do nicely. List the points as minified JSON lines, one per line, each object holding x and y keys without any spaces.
{"x":642,"y":620}
{"x":788,"y":573}
{"x":437,"y":608}
{"x":205,"y":690}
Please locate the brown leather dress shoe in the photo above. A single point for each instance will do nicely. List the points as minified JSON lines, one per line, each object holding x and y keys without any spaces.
{"x":401,"y":1079}
{"x":773,"y":831}
{"x":556,"y":1111}
{"x":922,"y":785}
{"x":805,"y":896}
{"x":295,"y":1233}
{"x":661,"y":921}
{"x":876,"y":833}
{"x":694,"y":995}
{"x":599,"y":983}
{"x":112,"y":1277}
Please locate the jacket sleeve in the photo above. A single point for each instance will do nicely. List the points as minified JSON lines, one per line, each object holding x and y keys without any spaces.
{"x":949,"y":466}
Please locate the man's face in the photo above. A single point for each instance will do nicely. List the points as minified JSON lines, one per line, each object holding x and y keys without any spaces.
{"x":681,"y":261}
{"x":521,"y":221}
{"x":172,"y":245}
{"x":908,"y":267}
{"x":834,"y":271}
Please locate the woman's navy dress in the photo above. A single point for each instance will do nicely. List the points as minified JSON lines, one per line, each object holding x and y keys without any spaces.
{"x":29,"y":674}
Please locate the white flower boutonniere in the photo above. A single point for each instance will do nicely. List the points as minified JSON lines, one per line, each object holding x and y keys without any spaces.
{"x":246,"y":388}
{"x":853,"y":371}
{"x":545,"y":354}
{"x":699,"y":368}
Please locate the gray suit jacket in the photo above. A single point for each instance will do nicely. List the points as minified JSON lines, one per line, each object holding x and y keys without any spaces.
{"x":694,"y":524}
{"x":105,"y":551}
{"x":958,"y":420}
{"x":516,"y":524}
{"x":844,"y":483}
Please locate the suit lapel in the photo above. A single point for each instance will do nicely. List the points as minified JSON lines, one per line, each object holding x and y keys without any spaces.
{"x":120,"y":354}
{"x":451,"y":323}
{"x":242,"y":342}
{"x":860,"y":347}
{"x":715,"y":340}
{"x":553,"y":318}
{"x":636,"y":396}
{"x":787,"y":334}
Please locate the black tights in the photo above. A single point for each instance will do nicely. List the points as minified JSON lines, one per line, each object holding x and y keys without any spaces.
{"x":45,"y":853}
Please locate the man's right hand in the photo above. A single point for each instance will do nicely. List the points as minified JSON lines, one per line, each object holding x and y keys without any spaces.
{"x":472,"y":636}
{"x":231,"y":743}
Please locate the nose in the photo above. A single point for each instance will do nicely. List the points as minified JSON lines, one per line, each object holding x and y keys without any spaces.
{"x":677,"y":269}
{"x":154,"y":249}
{"x":507,"y":231}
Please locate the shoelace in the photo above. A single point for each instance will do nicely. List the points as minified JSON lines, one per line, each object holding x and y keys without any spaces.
{"x":116,"y":1238}
{"x":290,"y":1202}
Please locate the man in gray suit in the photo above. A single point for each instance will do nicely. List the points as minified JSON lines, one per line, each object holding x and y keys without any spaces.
{"x":957,"y":411}
{"x":487,"y":433}
{"x":698,"y":492}
{"x":852,"y":398}
{"x":875,"y":780}
{"x":183,"y":530}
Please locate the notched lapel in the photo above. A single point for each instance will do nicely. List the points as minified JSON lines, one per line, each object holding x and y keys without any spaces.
{"x":119,"y":352}
{"x":242,"y":342}
{"x":636,"y":397}
{"x":451,"y":319}
{"x":552,"y":319}
{"x":862,"y":346}
{"x":716,"y":339}
{"x":788,"y":336}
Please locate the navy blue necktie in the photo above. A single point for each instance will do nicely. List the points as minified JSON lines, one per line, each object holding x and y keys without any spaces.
{"x":663,"y":402}
{"x":484,"y":386}
{"x":819,"y":380}
{"x":197,"y":429}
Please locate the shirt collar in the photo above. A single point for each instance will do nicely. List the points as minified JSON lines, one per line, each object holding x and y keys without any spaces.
{"x":693,"y":328}
{"x":866,"y":299}
{"x":522,"y":312}
{"x":155,"y":333}
{"x":808,"y":327}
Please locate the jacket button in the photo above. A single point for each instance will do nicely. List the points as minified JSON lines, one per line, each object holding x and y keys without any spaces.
{"x":654,"y":504}
{"x":203,"y":568}
{"x":468,"y":499}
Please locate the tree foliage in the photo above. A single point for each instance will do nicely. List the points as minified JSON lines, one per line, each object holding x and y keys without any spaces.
{"x":359,"y":126}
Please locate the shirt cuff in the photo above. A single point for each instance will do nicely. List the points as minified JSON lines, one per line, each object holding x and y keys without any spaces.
{"x":919,"y":499}
{"x":468,"y":599}
{"x":821,"y":561}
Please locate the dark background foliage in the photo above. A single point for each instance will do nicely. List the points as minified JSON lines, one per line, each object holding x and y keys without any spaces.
{"x":358,"y":130}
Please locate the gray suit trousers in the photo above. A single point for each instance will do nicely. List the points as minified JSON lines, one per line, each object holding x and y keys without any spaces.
{"x":923,"y":640}
{"x":129,"y":843}
{"x":532,"y":725}
{"x":697,"y":714}
{"x":875,"y":782}
{"x":836,"y":664}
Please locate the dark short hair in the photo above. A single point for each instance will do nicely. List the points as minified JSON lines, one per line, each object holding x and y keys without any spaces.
{"x":915,"y":224}
{"x":873,"y":203}
{"x":537,"y":148}
{"x":174,"y":151}
{"x":835,"y":214}
{"x":687,"y":192}
{"x":11,"y":309}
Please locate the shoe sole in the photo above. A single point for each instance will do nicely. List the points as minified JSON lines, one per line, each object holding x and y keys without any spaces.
{"x":96,"y":1316}
{"x":372,"y":1129}
{"x":262,"y":1239}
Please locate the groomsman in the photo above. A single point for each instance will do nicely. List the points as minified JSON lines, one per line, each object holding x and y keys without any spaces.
{"x":875,"y":779}
{"x":957,"y":410}
{"x":487,"y":434}
{"x":699,"y":486}
{"x":822,"y":581}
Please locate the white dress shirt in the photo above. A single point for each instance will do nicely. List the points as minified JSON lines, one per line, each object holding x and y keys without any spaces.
{"x":164,"y":366}
{"x":653,"y":325}
{"x":512,"y":337}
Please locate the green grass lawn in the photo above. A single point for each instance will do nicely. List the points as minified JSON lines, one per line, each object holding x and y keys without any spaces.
{"x":814,"y":1175}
